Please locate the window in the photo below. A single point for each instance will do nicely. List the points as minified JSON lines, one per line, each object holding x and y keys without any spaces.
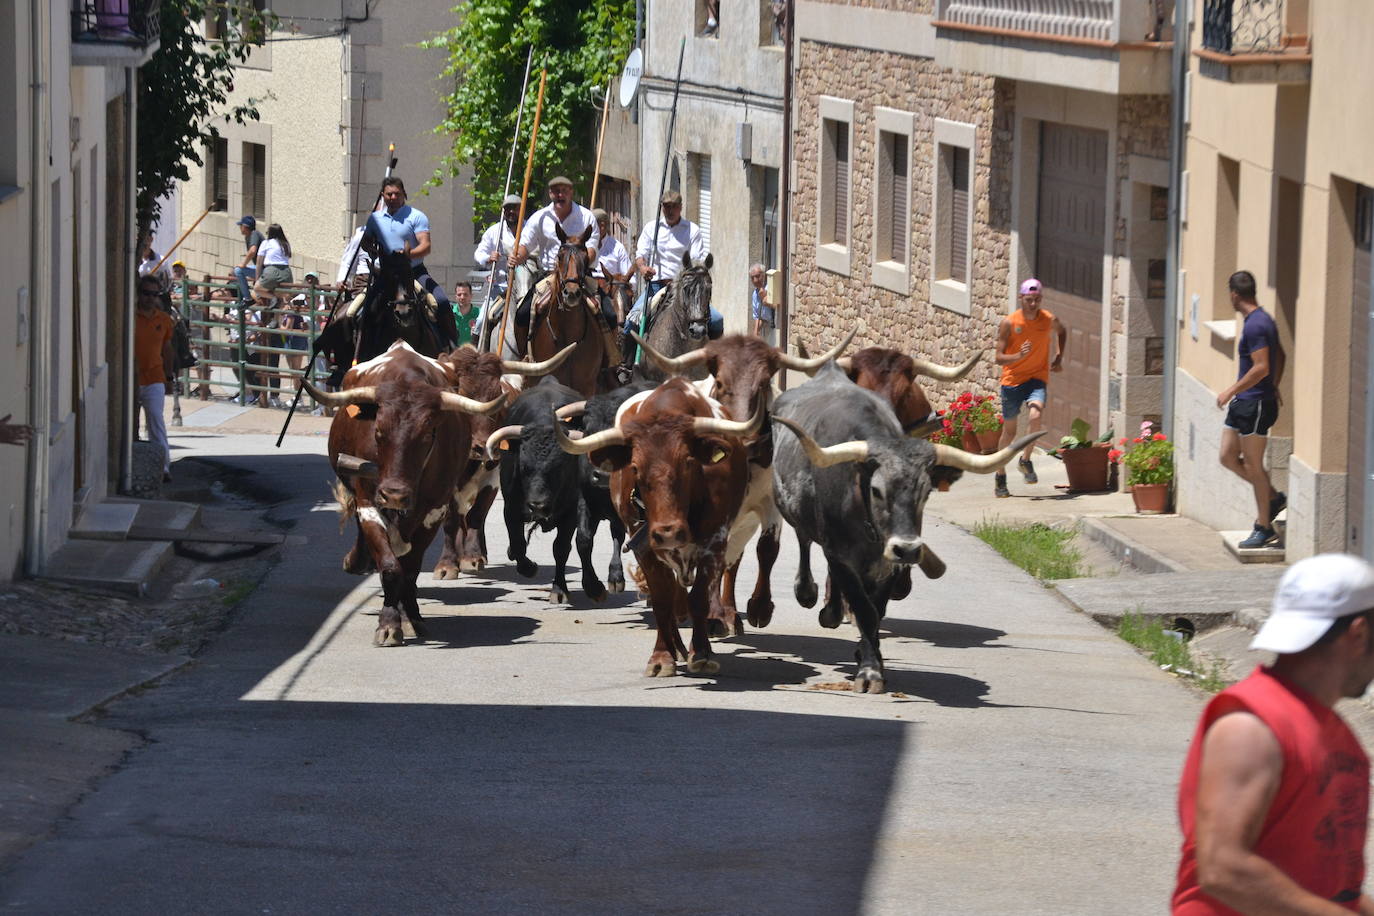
{"x":952,"y":235}
{"x":1224,"y":252}
{"x":835,"y":173}
{"x":217,"y":174}
{"x":772,"y":14}
{"x":892,"y":200}
{"x":763,"y":207}
{"x":708,"y":18}
{"x":9,"y":99}
{"x":701,"y":179}
{"x":255,"y":179}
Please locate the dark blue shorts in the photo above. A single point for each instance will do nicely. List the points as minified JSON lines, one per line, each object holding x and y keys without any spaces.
{"x":1013,"y":396}
{"x":1252,"y":416}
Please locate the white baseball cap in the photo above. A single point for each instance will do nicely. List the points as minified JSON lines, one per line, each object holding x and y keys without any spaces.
{"x":1313,"y":594}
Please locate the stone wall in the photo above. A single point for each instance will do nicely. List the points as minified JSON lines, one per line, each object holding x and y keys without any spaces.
{"x":826,"y":304}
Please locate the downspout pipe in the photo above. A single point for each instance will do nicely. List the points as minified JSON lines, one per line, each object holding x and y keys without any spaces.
{"x":128,"y":398}
{"x":40,"y":330}
{"x":785,"y":186}
{"x":1173,"y":293}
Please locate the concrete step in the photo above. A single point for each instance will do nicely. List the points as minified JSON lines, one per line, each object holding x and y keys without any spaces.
{"x":1272,"y":554}
{"x":104,"y":521}
{"x":1208,"y":598}
{"x":122,"y":566}
{"x":158,"y":516}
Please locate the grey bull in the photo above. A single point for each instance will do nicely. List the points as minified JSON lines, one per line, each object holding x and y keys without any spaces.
{"x":847,"y":477}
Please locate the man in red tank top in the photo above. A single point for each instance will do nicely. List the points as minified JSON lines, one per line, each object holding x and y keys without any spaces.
{"x":1274,"y":798}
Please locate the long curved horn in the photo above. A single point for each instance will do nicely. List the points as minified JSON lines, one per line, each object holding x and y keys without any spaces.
{"x":812,"y":365}
{"x":825,"y":456}
{"x":604,"y":439}
{"x":946,"y":373}
{"x":364,"y":395}
{"x":953,"y":457}
{"x":544,"y":368}
{"x":845,"y":362}
{"x":499,"y":436}
{"x":460,"y":404}
{"x":567,"y":411}
{"x":706,"y":426}
{"x":671,"y":365}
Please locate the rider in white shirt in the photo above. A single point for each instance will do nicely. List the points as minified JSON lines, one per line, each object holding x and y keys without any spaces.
{"x":612,"y":261}
{"x":494,"y":252}
{"x":540,"y":236}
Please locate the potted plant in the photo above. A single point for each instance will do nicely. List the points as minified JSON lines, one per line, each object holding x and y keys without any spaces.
{"x":1149,"y":462}
{"x":1085,"y":458}
{"x":976,"y":421}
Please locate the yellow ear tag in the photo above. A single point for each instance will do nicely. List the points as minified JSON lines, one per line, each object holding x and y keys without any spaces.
{"x":718,"y":456}
{"x":353,"y":410}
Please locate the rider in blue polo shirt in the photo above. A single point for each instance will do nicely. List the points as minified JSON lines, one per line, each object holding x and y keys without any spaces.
{"x":402,"y":228}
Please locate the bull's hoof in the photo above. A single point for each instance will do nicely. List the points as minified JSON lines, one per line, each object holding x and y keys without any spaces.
{"x":703,"y":665}
{"x":869,"y":680}
{"x":593,"y":589}
{"x":407,"y":628}
{"x":830,"y":616}
{"x":388,"y":635}
{"x":526,"y":567}
{"x":717,"y":628}
{"x":661,"y":667}
{"x":760,"y":612}
{"x":806,"y":593}
{"x":615,"y":584}
{"x":558,"y":595}
{"x":444,"y":569}
{"x":472,"y":564}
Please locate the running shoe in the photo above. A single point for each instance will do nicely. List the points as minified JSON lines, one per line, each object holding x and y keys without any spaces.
{"x":1277,"y":503}
{"x":1262,"y":536}
{"x":999,"y":488}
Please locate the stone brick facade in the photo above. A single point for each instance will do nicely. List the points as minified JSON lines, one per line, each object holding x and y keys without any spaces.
{"x":826,"y":304}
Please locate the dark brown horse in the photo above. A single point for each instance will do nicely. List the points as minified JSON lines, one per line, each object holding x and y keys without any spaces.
{"x":571,"y":316}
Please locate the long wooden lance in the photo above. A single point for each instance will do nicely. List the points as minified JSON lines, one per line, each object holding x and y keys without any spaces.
{"x":524,"y":195}
{"x":600,"y":145}
{"x":485,"y":343}
{"x":338,"y":297}
{"x":177,"y":244}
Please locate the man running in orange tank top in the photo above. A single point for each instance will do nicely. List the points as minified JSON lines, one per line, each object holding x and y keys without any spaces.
{"x":1023,"y":352}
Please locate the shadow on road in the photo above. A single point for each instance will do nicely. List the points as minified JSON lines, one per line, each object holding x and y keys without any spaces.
{"x":944,"y":634}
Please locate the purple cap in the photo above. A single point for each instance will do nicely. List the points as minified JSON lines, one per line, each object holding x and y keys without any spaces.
{"x":1030,"y":286}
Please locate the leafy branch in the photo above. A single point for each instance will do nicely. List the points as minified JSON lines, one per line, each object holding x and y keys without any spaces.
{"x":582,"y":45}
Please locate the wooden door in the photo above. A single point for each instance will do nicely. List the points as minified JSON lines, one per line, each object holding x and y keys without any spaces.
{"x":1071,"y":232}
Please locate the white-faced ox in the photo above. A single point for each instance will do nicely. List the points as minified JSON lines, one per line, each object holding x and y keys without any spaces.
{"x":679,"y":470}
{"x":740,"y":371}
{"x":396,"y":445}
{"x":846,"y":477}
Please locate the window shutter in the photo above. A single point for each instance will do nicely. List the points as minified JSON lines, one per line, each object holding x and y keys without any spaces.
{"x":959,"y":216}
{"x":898,"y":203}
{"x":219,"y":167}
{"x":841,"y":183}
{"x":704,"y":199}
{"x":259,"y":165}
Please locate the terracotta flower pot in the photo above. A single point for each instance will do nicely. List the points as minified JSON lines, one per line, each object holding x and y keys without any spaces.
{"x":988,"y":441}
{"x":1150,"y":498}
{"x":1086,"y":468}
{"x":968,"y":441}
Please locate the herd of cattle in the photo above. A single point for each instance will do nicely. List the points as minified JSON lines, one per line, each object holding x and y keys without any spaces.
{"x":689,"y":469}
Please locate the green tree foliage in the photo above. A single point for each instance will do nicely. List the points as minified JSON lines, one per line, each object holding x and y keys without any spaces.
{"x":583,"y":45}
{"x":183,"y":90}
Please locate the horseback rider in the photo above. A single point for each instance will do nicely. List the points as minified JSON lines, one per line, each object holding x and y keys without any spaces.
{"x":497,"y":244}
{"x":401,"y":229}
{"x":540,"y":237}
{"x":659,"y":264}
{"x":612,"y":261}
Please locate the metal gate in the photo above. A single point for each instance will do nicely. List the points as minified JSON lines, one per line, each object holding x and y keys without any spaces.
{"x":1359,"y":492}
{"x":1071,"y":232}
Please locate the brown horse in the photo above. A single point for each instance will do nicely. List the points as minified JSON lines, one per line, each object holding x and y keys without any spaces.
{"x":571,"y":316}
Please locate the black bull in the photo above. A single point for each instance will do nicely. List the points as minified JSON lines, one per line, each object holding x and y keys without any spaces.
{"x":846,"y":477}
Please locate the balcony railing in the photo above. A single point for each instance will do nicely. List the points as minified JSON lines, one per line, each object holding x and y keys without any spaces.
{"x":119,"y":22}
{"x":1243,"y":26}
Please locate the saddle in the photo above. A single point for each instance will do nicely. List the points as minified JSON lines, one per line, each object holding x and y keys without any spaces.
{"x":542,"y":300}
{"x":425,"y":297}
{"x":653,"y":308}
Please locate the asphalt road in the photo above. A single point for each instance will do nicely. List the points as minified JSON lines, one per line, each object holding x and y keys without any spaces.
{"x":1025,"y":761}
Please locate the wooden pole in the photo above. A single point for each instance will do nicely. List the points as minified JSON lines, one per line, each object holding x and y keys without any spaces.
{"x":484,"y":344}
{"x":520,"y":222}
{"x":600,"y":145}
{"x":177,"y":243}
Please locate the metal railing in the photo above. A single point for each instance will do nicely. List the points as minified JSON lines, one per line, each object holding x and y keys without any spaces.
{"x":129,"y":22}
{"x":245,"y":342}
{"x":1243,"y":26}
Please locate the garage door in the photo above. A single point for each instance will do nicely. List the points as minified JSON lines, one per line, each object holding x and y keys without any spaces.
{"x":1358,"y":523}
{"x":1070,"y":233}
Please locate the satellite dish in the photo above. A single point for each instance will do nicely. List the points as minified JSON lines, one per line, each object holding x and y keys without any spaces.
{"x":629,"y":78}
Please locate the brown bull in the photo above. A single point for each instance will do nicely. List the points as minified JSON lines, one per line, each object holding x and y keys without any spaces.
{"x":396,"y":445}
{"x":679,"y":473}
{"x":478,"y":376}
{"x":741,"y":369}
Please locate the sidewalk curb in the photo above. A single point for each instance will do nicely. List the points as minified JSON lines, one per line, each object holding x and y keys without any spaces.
{"x":1129,"y":551}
